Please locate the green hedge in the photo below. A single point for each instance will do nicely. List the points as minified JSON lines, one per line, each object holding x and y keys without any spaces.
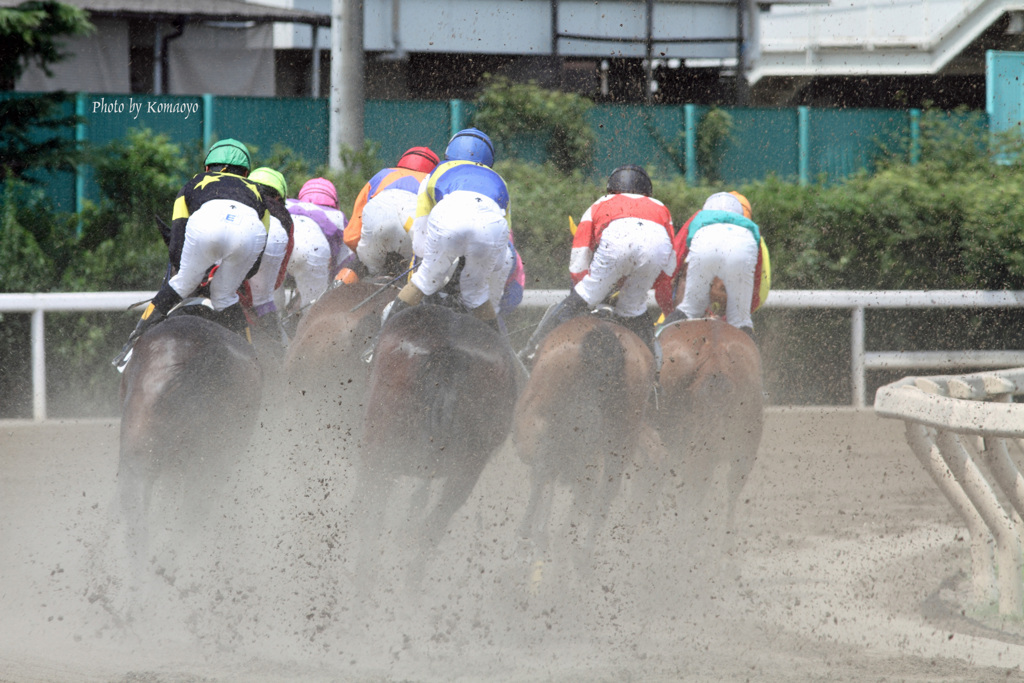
{"x":952,"y":221}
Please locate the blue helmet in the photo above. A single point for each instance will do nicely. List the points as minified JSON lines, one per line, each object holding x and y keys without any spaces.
{"x":470,"y":144}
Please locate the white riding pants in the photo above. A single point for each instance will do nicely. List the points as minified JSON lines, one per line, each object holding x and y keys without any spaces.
{"x":311,"y":259}
{"x":225,"y":232}
{"x":730,"y":253}
{"x":634,"y":251}
{"x":463,"y":224}
{"x":384,"y":218}
{"x":262,"y":283}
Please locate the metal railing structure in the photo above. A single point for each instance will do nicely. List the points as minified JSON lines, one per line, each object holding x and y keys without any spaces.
{"x":963,"y":429}
{"x":856,"y":301}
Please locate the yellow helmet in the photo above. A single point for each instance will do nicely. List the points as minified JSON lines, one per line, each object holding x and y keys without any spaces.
{"x":271,"y":178}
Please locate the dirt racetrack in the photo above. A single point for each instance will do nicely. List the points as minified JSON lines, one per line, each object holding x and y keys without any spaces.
{"x":848,"y":565}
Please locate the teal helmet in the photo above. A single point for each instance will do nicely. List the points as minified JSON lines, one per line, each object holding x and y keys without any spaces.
{"x":230,"y":152}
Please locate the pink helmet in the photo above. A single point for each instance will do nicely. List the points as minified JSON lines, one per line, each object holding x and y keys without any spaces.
{"x":319,"y":191}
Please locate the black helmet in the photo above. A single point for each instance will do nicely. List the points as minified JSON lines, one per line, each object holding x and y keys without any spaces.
{"x":631,"y":179}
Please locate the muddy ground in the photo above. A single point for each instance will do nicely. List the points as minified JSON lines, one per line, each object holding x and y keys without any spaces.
{"x":846,"y":564}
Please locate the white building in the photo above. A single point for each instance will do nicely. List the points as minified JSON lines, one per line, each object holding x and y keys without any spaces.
{"x":889,"y":53}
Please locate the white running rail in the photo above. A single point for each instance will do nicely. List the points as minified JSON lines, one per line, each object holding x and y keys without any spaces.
{"x":963,"y":429}
{"x":856,"y":301}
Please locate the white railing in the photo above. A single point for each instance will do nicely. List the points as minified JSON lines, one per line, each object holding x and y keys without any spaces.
{"x":961,"y":427}
{"x":856,"y":301}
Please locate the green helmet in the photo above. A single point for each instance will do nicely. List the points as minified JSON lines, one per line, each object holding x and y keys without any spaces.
{"x":265,"y":175}
{"x":229,"y":151}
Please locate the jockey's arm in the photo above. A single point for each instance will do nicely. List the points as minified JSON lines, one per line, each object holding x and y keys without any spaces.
{"x":354,"y":228}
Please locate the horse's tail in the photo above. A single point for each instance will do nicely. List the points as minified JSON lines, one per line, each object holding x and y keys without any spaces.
{"x":605,"y":359}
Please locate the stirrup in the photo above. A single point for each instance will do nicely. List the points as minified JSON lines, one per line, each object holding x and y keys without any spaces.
{"x":121,"y":360}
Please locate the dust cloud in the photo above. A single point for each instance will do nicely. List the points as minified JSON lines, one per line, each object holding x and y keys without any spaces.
{"x":845,"y":564}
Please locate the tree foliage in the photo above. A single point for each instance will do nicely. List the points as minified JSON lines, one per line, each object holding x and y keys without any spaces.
{"x":512,"y":112}
{"x":30,"y":126}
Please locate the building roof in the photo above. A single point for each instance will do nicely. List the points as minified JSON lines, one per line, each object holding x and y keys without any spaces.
{"x":201,"y":10}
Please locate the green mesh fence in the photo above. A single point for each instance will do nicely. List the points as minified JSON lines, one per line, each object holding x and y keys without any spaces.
{"x":807,"y":145}
{"x":842,"y":144}
{"x":397,"y":126}
{"x":297,"y":123}
{"x":762,"y":142}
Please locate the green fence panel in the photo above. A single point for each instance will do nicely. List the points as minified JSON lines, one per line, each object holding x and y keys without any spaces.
{"x":397,"y":126}
{"x":843,"y":141}
{"x":299,"y":123}
{"x":635,"y":134}
{"x":110,"y":117}
{"x":763,"y":142}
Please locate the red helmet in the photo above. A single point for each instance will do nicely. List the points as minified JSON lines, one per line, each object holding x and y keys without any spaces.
{"x":418,"y":159}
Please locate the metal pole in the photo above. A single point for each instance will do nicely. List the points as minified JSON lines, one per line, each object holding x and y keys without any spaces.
{"x":208,"y":120}
{"x":158,"y":60}
{"x":803,"y":146}
{"x":556,"y":62}
{"x":38,"y":367}
{"x":649,"y":53}
{"x":915,"y":136}
{"x":457,"y":119}
{"x":314,"y":86}
{"x":690,"y":123}
{"x":346,"y":115}
{"x":81,"y":135}
{"x":857,"y":355}
{"x":741,"y":72}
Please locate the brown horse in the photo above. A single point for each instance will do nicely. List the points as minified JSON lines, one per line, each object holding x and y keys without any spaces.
{"x":710,"y":410}
{"x":190,"y":396}
{"x":324,"y":374}
{"x":579,"y":421}
{"x":441,"y":393}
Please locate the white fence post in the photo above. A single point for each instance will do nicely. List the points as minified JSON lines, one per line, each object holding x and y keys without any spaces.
{"x":38,"y":366}
{"x":858,"y":380}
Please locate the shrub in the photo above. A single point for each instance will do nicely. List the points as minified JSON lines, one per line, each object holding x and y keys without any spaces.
{"x":509,"y":112}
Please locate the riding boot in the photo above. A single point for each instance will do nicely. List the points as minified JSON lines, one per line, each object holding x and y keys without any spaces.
{"x":674,"y":316}
{"x":568,"y":308}
{"x":165,"y":300}
{"x":485,"y":312}
{"x":150,"y":317}
{"x":750,"y":333}
{"x":642,"y":326}
{"x":395,"y":307}
{"x":233,"y":318}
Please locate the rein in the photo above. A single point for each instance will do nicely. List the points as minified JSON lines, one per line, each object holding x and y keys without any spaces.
{"x":384,"y":287}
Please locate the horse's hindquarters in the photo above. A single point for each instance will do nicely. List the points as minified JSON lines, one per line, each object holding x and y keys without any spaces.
{"x":578,"y":423}
{"x":439,"y":404}
{"x":325,"y":377}
{"x":192,"y":393}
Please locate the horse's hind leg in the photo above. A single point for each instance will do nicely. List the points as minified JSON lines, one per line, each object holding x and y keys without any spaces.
{"x":454,"y":493}
{"x":534,"y":526}
{"x":602,"y":493}
{"x":134,"y":493}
